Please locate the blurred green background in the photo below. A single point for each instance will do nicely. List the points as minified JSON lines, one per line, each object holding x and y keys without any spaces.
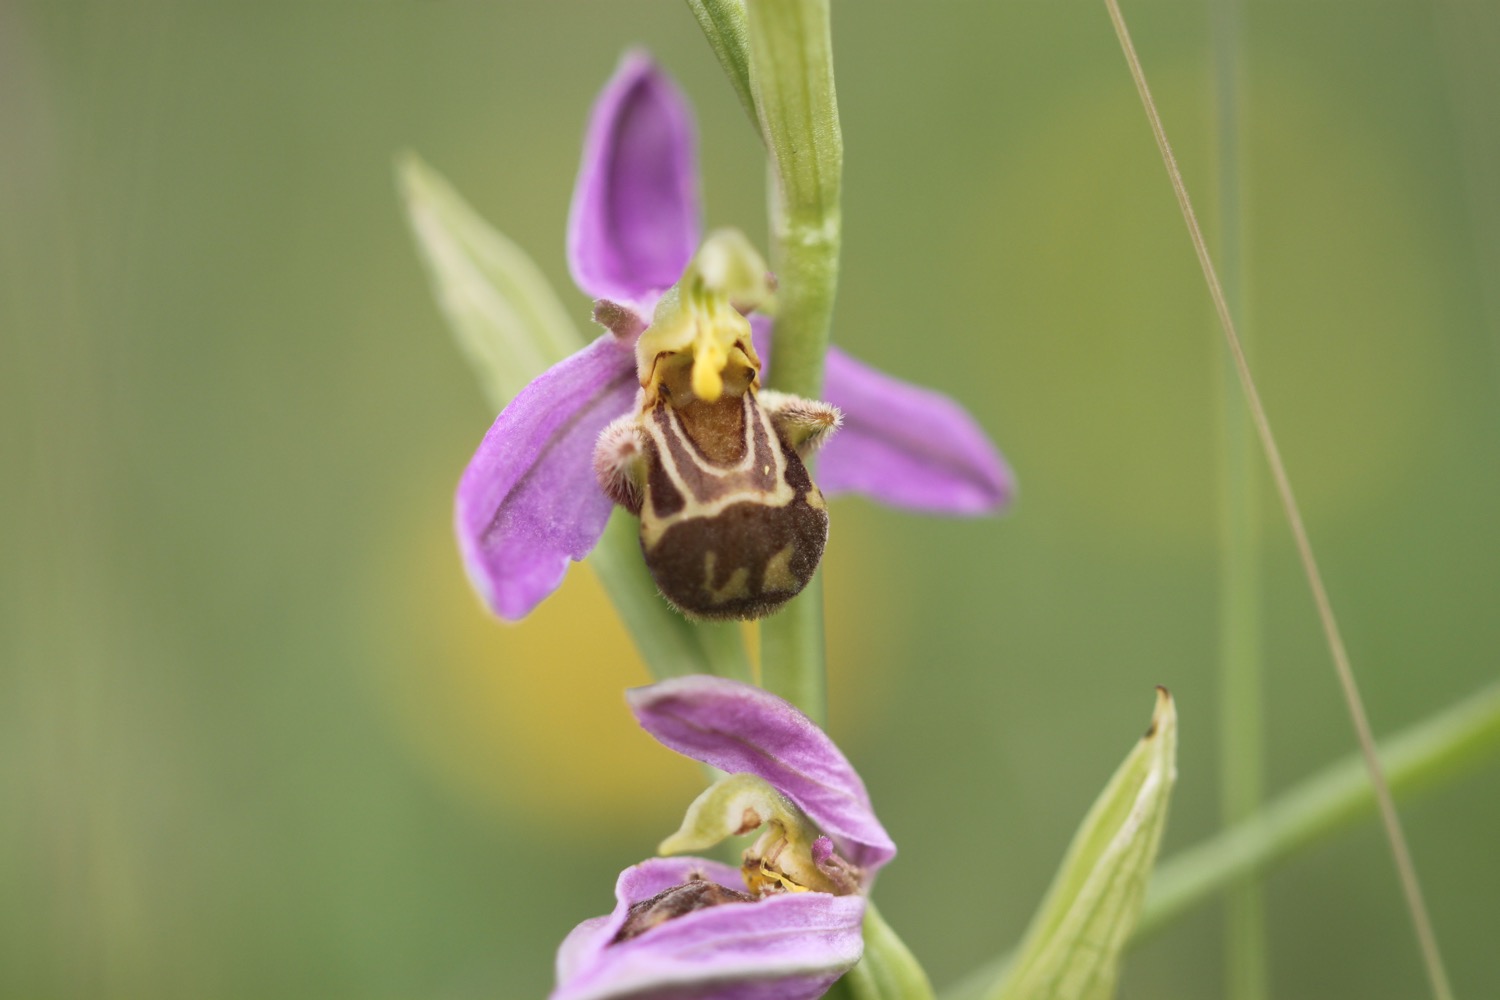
{"x":257,"y":738}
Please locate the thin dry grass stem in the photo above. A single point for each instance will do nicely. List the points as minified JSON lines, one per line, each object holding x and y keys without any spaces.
{"x":1400,"y":853}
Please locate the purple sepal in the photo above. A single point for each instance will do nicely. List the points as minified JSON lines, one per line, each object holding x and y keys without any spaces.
{"x":900,"y":444}
{"x":634,"y":223}
{"x":906,"y":446}
{"x":528,"y":501}
{"x":789,"y":947}
{"x":741,"y":729}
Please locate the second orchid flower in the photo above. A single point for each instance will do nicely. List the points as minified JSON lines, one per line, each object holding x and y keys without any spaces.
{"x":787,"y":923}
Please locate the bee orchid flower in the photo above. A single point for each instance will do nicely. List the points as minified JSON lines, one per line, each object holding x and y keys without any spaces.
{"x":787,"y":923}
{"x":664,"y":414}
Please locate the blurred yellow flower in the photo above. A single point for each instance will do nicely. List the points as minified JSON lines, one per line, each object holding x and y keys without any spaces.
{"x":527,"y":720}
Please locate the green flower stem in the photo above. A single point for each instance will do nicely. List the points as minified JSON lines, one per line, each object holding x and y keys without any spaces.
{"x":723,"y":645}
{"x":669,"y":643}
{"x":1327,"y":803}
{"x":791,"y":75}
{"x":791,"y":78}
{"x":792,"y":653}
{"x":1242,"y":724}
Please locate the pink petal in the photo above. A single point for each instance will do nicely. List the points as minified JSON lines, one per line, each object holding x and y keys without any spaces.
{"x":907,"y":446}
{"x":634,"y":223}
{"x":528,"y":501}
{"x":741,"y":729}
{"x":900,"y":444}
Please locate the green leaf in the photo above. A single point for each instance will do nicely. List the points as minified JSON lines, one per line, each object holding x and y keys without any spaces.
{"x":1072,"y":949}
{"x":505,"y":316}
{"x":723,"y":24}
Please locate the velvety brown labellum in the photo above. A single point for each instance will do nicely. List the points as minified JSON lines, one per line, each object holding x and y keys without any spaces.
{"x":731,"y":524}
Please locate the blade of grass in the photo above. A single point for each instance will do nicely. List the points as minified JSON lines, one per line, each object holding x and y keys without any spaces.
{"x":1436,"y":749}
{"x":1242,"y":724}
{"x":1390,"y":820}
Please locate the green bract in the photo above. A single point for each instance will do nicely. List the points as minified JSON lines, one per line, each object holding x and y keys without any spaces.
{"x":504,"y":314}
{"x":1072,"y":949}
